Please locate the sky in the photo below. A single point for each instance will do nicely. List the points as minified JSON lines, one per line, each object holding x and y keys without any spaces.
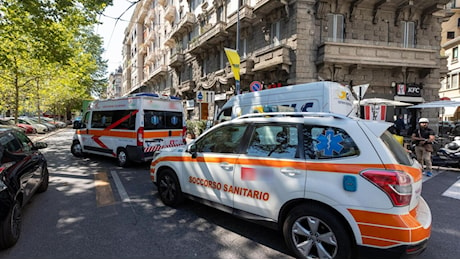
{"x":113,"y":32}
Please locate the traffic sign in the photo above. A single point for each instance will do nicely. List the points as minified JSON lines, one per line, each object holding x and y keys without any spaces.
{"x":255,"y":86}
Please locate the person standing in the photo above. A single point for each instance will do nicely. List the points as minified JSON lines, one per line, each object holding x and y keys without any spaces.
{"x":400,"y":125}
{"x":423,"y":136}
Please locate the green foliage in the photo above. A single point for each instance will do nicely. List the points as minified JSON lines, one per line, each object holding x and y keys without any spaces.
{"x":196,"y":126}
{"x":50,"y":59}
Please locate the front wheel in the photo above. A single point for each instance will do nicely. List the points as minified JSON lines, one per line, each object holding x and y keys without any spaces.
{"x":76,"y":149}
{"x":11,"y":228}
{"x":169,"y":188}
{"x":316,"y":232}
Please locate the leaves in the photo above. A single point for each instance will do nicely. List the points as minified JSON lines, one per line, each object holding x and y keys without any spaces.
{"x":50,"y":59}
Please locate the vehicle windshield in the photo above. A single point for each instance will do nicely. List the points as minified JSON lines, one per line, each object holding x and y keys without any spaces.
{"x":398,"y":151}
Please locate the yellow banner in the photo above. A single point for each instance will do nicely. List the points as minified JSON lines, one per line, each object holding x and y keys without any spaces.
{"x":234,"y":60}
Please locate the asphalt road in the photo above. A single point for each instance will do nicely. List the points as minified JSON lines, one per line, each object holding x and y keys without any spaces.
{"x":94,"y":209}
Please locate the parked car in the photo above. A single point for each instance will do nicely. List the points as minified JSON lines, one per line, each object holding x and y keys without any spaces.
{"x":76,"y":122}
{"x":57,"y":123}
{"x":23,"y":172}
{"x":335,"y":186}
{"x":41,"y":129}
{"x":445,"y":127}
{"x":8,"y":123}
{"x":51,"y":127}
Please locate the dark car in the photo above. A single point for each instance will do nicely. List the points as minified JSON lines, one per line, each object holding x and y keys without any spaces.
{"x":23,"y":172}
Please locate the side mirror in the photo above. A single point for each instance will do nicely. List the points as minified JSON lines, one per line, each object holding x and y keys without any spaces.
{"x":192,"y":149}
{"x":40,"y":145}
{"x":76,"y":125}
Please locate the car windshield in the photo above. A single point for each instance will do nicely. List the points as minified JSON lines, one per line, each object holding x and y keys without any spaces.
{"x":398,"y":151}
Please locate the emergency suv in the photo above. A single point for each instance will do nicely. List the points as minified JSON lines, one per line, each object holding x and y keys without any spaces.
{"x":335,"y":186}
{"x":131,"y":128}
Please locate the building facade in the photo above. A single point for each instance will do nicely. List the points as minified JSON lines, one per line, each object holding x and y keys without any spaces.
{"x":115,"y":84}
{"x":176,"y":47}
{"x":450,"y":43}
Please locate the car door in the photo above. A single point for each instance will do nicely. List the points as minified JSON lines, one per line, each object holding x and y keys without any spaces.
{"x":271,"y":171}
{"x":33,"y":160}
{"x":210,"y":174}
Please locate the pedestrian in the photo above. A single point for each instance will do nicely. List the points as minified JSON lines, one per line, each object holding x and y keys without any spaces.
{"x":400,"y":125}
{"x":423,"y":137}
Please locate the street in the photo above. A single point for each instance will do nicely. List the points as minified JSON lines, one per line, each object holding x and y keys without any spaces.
{"x":94,"y":209}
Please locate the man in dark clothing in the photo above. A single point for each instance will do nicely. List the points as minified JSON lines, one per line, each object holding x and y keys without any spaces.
{"x":424,"y":138}
{"x":399,"y":124}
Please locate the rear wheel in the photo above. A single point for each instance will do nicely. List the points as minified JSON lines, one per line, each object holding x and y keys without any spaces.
{"x":11,"y":228}
{"x":169,"y":188}
{"x":122,"y":158}
{"x":76,"y":149}
{"x":316,"y":232}
{"x":44,"y":185}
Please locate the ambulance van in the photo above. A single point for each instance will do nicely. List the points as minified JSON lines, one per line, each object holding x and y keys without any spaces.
{"x":322,"y":96}
{"x":131,"y":128}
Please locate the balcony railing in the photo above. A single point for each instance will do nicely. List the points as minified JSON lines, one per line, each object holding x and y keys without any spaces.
{"x":184,"y":25}
{"x":378,"y":54}
{"x":263,"y":7}
{"x":177,"y":59}
{"x":246,"y":18}
{"x":159,"y":71}
{"x":274,"y":57}
{"x":214,"y":35}
{"x":170,"y":13}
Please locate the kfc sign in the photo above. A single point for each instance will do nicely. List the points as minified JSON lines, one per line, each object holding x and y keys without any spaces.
{"x":411,"y":90}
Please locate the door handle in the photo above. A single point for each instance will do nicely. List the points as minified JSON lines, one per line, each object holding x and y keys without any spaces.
{"x":290,"y":172}
{"x":226,"y":166}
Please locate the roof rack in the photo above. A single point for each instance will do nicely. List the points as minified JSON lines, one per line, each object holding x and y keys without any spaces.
{"x":295,"y":114}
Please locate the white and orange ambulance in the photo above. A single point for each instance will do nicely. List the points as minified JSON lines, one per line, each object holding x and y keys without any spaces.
{"x":335,"y":186}
{"x":130,"y":128}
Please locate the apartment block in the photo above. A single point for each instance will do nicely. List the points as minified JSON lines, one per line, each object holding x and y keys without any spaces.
{"x":450,"y":43}
{"x":176,"y":47}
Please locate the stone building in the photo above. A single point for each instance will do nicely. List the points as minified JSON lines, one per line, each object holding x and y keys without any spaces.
{"x":450,"y":43}
{"x":115,"y":84}
{"x":176,"y":47}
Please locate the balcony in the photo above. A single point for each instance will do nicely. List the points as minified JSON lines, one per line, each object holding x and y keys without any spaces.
{"x":159,"y":71}
{"x":150,"y":16}
{"x":170,"y":13}
{"x":177,"y":59}
{"x":273,"y":58}
{"x":184,"y":26}
{"x":263,"y":7}
{"x":210,"y":37}
{"x":150,"y":36}
{"x":247,"y":18}
{"x":377,"y":54}
{"x":143,"y":48}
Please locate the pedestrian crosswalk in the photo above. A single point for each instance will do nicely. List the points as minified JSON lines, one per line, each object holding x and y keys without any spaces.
{"x":453,"y":191}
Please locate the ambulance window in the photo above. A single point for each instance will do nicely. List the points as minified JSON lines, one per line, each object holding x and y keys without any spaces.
{"x":276,"y":141}
{"x":124,"y":119}
{"x":323,"y":142}
{"x":101,"y":119}
{"x":225,"y":139}
{"x":162,"y":120}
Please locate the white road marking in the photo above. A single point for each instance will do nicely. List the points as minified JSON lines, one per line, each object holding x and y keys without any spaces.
{"x":453,"y":191}
{"x":121,"y":189}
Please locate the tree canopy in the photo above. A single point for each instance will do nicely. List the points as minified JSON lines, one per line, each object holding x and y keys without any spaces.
{"x":50,"y":58}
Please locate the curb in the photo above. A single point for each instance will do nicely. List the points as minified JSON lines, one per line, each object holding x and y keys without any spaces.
{"x":39,"y":137}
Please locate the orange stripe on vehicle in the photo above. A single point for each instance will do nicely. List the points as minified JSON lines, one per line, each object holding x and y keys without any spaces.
{"x":156,"y":134}
{"x":378,"y":242}
{"x":111,"y":133}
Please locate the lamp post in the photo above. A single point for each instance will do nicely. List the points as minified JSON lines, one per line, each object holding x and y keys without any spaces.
{"x":237,"y":82}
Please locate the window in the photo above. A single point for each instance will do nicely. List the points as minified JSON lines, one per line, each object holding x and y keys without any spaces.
{"x":162,"y":120}
{"x":226,"y":139}
{"x":408,"y":32}
{"x":117,"y":119}
{"x":450,"y":35}
{"x":275,"y":33}
{"x":26,"y":142}
{"x":455,"y":54}
{"x":275,"y":141}
{"x":335,"y":27}
{"x":323,"y":142}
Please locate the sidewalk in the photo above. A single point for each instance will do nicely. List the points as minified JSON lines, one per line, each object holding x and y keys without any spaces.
{"x":39,"y":137}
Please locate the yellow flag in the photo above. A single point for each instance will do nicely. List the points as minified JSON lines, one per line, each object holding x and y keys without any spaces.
{"x":234,"y":60}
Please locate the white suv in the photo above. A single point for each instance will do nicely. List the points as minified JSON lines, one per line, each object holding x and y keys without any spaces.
{"x":337,"y":187}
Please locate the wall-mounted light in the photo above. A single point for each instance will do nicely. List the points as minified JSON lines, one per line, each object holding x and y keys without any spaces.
{"x":393,"y":84}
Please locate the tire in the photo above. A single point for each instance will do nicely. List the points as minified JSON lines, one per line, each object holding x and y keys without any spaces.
{"x":316,"y":232}
{"x":76,"y":149}
{"x":122,"y":158}
{"x":169,"y":188}
{"x":11,"y":228}
{"x":46,"y":177}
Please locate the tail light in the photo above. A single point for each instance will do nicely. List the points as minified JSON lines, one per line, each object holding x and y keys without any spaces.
{"x":184,"y":134}
{"x":397,"y":185}
{"x":140,"y":136}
